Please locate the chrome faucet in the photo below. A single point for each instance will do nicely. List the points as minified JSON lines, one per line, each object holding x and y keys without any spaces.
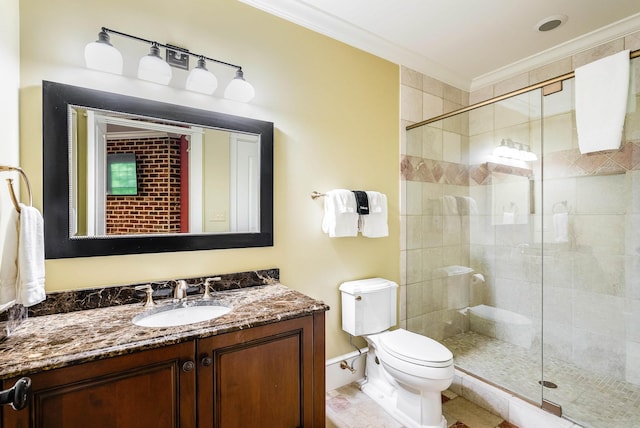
{"x":149,"y":290}
{"x":207,"y":294}
{"x":180,"y":292}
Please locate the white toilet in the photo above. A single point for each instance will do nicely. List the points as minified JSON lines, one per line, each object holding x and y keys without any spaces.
{"x":405,"y":372}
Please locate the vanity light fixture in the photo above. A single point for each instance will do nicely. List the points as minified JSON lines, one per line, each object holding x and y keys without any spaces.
{"x":239,"y":89}
{"x":507,"y":149}
{"x":201,"y":80}
{"x":153,"y":68}
{"x":101,"y":55}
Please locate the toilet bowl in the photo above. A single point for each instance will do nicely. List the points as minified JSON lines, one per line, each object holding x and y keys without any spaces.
{"x":405,"y":372}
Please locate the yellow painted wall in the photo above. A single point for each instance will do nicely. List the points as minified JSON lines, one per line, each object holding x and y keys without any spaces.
{"x":336,"y":116}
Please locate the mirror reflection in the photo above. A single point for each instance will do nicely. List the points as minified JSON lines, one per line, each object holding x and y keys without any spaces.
{"x":133,"y":175}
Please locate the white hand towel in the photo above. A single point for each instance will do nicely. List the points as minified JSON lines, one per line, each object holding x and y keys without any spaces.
{"x":340,"y":216}
{"x":450,"y":205}
{"x":30,"y":257}
{"x":374,"y":224}
{"x":508,"y":217}
{"x":9,"y":262}
{"x":601,"y":90}
{"x":561,"y":227}
{"x":466,"y":205}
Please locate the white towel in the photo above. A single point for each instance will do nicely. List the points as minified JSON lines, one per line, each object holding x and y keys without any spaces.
{"x":601,"y":90}
{"x":450,"y":205}
{"x":561,"y":227}
{"x":466,"y":205}
{"x":30,"y":257}
{"x":9,"y":262}
{"x":508,"y":217}
{"x":340,"y":216}
{"x":374,"y":224}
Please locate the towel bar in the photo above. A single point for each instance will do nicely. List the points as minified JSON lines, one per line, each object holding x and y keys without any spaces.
{"x":316,"y":195}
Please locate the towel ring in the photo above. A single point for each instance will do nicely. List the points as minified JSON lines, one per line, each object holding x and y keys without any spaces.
{"x":12,"y":194}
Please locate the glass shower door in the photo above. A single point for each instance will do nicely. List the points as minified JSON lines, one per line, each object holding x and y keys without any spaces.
{"x":590,"y":252}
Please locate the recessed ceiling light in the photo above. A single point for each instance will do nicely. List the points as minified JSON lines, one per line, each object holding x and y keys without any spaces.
{"x":550,"y":23}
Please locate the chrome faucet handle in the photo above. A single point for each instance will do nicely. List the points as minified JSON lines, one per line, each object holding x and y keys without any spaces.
{"x":180,"y":292}
{"x":149,"y":290}
{"x":207,"y":294}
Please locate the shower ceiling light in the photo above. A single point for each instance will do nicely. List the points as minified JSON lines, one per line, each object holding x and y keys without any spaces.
{"x":550,"y":23}
{"x":101,"y":55}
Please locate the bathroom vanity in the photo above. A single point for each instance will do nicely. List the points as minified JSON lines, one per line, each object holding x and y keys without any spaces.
{"x":262,"y":364}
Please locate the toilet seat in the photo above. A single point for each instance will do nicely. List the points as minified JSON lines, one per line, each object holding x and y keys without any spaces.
{"x":416,"y":349}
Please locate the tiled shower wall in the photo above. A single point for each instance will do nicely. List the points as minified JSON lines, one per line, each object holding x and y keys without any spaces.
{"x":592,"y":295}
{"x":423,"y":248}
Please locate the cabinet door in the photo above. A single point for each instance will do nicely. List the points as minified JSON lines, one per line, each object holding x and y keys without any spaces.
{"x":153,"y":389}
{"x":258,"y":377}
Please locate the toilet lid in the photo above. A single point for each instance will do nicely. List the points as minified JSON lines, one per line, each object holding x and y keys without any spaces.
{"x":416,"y":349}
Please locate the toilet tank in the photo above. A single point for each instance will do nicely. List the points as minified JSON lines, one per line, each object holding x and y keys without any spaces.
{"x":368,"y":305}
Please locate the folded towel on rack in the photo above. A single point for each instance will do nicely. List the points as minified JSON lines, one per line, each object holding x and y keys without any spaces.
{"x":466,"y":205}
{"x":30,"y":288}
{"x":561,"y":227}
{"x":9,"y":262}
{"x":601,"y":90}
{"x":362,"y":202}
{"x":375,"y":224}
{"x":450,"y":205}
{"x":340,"y":215}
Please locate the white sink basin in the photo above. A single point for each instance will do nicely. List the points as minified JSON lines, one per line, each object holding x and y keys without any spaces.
{"x":179,"y":314}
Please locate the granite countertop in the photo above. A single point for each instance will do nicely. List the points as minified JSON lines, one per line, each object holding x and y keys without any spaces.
{"x":52,"y":341}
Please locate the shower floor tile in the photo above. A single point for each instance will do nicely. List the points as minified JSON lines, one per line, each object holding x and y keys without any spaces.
{"x":589,"y":399}
{"x":348,"y":407}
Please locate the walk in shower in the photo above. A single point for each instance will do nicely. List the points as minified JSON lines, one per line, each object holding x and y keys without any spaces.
{"x":524,"y":259}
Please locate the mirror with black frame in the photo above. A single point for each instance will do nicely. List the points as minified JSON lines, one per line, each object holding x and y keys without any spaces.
{"x":125,"y":175}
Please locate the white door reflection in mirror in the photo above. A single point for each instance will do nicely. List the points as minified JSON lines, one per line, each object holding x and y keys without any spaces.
{"x":245,"y":181}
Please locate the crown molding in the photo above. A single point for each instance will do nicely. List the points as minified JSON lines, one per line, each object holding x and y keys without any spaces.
{"x":316,"y":20}
{"x":305,"y":15}
{"x":572,"y":47}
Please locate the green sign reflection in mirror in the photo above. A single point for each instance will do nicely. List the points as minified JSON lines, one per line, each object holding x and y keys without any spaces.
{"x":189,"y":179}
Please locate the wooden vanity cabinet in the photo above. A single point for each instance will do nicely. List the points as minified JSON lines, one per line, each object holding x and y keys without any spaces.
{"x":147,"y":389}
{"x":268,"y":376}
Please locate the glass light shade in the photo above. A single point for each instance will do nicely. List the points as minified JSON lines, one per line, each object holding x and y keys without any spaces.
{"x":239,"y":89}
{"x":153,"y":68}
{"x":201,"y":80}
{"x":102,"y":56}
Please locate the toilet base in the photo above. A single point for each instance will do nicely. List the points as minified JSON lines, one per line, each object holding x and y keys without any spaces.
{"x":386,"y":396}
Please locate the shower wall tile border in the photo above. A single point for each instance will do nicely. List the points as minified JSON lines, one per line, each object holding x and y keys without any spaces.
{"x":560,"y":164}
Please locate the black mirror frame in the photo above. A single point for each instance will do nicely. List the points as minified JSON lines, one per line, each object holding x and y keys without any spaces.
{"x":57,"y":97}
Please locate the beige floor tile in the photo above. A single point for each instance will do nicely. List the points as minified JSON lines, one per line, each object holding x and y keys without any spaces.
{"x":460,"y":409}
{"x":348,"y":407}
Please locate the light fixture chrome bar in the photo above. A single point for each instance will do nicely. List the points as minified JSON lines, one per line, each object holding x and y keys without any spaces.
{"x":170,"y":47}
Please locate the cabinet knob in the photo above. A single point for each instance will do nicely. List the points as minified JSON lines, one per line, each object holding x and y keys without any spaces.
{"x":206,"y":361}
{"x":188,"y":366}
